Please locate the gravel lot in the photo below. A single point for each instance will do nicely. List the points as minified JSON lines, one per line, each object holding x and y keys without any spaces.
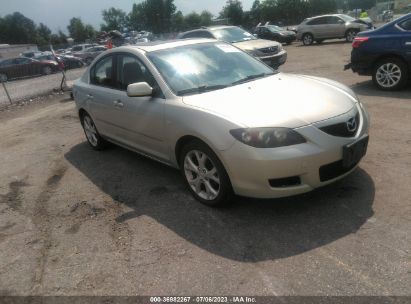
{"x":78,"y":222}
{"x":32,"y":87}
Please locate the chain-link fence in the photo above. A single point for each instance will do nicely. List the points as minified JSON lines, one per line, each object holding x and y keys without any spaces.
{"x":24,"y":78}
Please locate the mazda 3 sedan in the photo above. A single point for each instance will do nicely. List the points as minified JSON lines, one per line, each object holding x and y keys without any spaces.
{"x":230,"y":123}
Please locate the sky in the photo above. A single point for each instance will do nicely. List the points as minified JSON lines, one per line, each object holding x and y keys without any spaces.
{"x":57,"y":13}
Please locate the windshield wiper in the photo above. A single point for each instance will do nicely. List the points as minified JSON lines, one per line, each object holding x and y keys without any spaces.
{"x":201,"y":89}
{"x":251,"y":77}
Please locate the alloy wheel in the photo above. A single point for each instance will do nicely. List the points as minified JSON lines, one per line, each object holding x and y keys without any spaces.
{"x":388,"y":75}
{"x":351,"y":35}
{"x":308,"y":39}
{"x":202,"y":175}
{"x":90,"y":130}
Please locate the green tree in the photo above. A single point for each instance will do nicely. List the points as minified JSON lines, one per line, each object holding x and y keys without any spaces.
{"x":206,"y":18}
{"x":79,"y":31}
{"x":114,"y":19}
{"x":192,"y":20}
{"x":255,"y":12}
{"x":137,"y":20}
{"x":43,"y":35}
{"x":233,"y":10}
{"x":16,"y":28}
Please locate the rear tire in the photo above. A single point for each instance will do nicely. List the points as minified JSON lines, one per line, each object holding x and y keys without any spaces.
{"x":308,"y":39}
{"x":205,"y":175}
{"x":350,"y":35}
{"x":47,"y":70}
{"x":3,"y":78}
{"x":390,"y":74}
{"x":90,"y":130}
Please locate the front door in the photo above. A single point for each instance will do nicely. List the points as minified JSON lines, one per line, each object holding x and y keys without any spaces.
{"x":140,"y":119}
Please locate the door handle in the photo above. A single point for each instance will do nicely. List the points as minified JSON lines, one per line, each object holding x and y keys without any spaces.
{"x":89,"y":96}
{"x":118,"y":104}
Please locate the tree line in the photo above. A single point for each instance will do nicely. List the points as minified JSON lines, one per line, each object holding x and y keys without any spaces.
{"x":162,"y":16}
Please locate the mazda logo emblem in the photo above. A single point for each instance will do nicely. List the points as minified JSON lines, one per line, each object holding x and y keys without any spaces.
{"x":352,"y":125}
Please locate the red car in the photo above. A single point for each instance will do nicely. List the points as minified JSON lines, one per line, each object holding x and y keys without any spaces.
{"x":24,"y":67}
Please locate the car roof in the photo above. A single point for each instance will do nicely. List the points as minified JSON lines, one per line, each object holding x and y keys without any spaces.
{"x":162,"y":45}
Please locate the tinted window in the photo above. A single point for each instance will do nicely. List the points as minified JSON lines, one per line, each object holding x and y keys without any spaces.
{"x":334,"y":20}
{"x":406,"y":25}
{"x":102,"y":73}
{"x":131,"y":70}
{"x":77,"y":48}
{"x":22,"y":60}
{"x":317,"y":21}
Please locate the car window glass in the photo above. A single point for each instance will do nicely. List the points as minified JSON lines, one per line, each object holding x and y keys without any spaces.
{"x":406,"y":25}
{"x":132,"y":70}
{"x":77,"y":48}
{"x":334,"y":20}
{"x":318,"y":21}
{"x":22,"y":60}
{"x":192,"y":35}
{"x":102,"y":73}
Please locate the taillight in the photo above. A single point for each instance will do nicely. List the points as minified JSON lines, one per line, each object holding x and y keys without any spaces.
{"x":358,"y":41}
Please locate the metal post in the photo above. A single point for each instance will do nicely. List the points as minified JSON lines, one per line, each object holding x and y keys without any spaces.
{"x":7,"y":92}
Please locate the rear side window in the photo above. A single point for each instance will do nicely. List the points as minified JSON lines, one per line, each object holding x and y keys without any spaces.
{"x":102,"y":73}
{"x":198,"y":34}
{"x":318,"y":21}
{"x":406,"y":25}
{"x":334,"y":20}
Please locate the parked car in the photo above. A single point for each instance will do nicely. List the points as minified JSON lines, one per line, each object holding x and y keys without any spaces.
{"x":330,"y":27}
{"x":31,"y":54}
{"x":270,"y":52}
{"x":276,"y":33}
{"x":384,"y":53}
{"x":82,"y":47}
{"x":22,"y":67}
{"x":230,"y":123}
{"x":89,"y":54}
{"x":69,"y":62}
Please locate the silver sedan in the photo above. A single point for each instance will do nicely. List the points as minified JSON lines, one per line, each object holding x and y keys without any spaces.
{"x":230,"y":123}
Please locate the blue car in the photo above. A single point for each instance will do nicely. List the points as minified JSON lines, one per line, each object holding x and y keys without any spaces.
{"x":384,"y":54}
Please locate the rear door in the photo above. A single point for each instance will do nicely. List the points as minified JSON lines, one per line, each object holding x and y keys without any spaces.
{"x":101,"y":96}
{"x":318,"y":27}
{"x":335,"y":28}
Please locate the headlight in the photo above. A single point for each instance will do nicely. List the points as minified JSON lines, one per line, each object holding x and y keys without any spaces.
{"x":268,"y":137}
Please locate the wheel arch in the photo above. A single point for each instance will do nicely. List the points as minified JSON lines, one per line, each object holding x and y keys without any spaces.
{"x":391,"y":55}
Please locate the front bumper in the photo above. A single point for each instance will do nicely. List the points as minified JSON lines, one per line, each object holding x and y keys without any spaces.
{"x":252,"y":170}
{"x":275,"y":60}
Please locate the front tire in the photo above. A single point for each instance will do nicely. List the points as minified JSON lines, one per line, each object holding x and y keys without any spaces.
{"x":390,"y":74}
{"x":205,"y":175}
{"x":92,"y":135}
{"x":308,"y":39}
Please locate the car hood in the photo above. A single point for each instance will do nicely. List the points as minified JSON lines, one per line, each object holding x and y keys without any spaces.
{"x":255,"y":44}
{"x":281,"y":100}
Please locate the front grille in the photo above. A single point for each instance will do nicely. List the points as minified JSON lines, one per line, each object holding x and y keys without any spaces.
{"x":341,"y":129}
{"x":269,"y":50}
{"x":333,"y":170}
{"x":285,"y":182}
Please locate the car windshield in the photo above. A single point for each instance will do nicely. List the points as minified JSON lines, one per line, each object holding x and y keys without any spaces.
{"x":232,"y":34}
{"x":346,"y":18}
{"x":274,"y":28}
{"x":198,"y":68}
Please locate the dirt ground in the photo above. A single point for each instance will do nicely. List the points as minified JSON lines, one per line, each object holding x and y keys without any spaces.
{"x":78,"y":222}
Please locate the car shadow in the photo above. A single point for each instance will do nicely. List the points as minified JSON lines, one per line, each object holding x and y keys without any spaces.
{"x":250,"y":230}
{"x":367,"y":88}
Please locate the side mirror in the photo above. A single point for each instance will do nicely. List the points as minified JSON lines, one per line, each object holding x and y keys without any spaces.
{"x":139,"y":89}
